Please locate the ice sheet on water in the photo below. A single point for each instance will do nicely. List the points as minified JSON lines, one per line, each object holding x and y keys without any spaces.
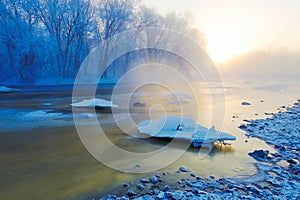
{"x":181,"y":128}
{"x":177,"y":96}
{"x":274,"y":87}
{"x":86,"y":116}
{"x":7,"y":89}
{"x":14,"y":120}
{"x":42,"y":114}
{"x":178,"y":101}
{"x":95,"y":102}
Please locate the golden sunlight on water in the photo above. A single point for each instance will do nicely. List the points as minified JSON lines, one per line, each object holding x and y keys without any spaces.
{"x":52,"y":163}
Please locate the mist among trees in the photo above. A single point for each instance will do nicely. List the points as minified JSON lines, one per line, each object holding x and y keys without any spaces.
{"x":49,"y":39}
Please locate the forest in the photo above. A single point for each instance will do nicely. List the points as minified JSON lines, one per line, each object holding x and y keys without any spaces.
{"x":49,"y":39}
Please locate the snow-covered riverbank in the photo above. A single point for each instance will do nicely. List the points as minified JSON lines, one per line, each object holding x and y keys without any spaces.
{"x":277,"y":178}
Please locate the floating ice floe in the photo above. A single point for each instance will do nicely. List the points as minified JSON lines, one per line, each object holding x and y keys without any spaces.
{"x":178,"y":101}
{"x":177,"y":98}
{"x":97,"y":103}
{"x":46,"y":104}
{"x":86,"y":116}
{"x":19,"y":120}
{"x":42,"y":114}
{"x":7,"y":89}
{"x":177,"y":95}
{"x":185,"y":128}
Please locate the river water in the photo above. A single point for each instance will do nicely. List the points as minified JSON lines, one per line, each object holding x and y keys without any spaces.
{"x":42,"y":156}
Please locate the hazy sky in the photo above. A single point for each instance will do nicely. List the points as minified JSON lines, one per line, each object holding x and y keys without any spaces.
{"x":235,"y":27}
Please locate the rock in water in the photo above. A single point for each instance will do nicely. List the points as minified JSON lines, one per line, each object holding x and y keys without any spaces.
{"x":183,"y":169}
{"x":261,"y":155}
{"x":292,"y":161}
{"x":153,"y":179}
{"x":130,"y":193}
{"x":136,"y":166}
{"x":140,"y":186}
{"x":243,"y":127}
{"x":244,"y":103}
{"x":144,"y":181}
{"x":125,"y":185}
{"x":139,"y":104}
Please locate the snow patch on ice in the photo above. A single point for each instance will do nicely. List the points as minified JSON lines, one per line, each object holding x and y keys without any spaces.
{"x":182,"y":128}
{"x":95,"y":103}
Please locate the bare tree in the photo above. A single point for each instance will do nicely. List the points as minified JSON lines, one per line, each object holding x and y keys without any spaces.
{"x":115,"y":16}
{"x":68,"y":24}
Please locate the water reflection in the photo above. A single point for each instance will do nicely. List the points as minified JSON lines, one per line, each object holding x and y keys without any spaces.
{"x":52,"y":163}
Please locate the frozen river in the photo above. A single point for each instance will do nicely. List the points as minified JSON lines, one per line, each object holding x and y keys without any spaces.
{"x":42,"y":156}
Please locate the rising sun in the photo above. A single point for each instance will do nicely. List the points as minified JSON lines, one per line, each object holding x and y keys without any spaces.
{"x":223,"y":45}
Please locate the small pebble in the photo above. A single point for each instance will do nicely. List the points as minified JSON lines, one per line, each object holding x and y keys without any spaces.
{"x":140,"y":186}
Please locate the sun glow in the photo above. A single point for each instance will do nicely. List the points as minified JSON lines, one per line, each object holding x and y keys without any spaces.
{"x":224,"y":44}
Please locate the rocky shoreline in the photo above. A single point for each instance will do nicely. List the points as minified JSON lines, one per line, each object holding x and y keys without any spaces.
{"x":278,"y":173}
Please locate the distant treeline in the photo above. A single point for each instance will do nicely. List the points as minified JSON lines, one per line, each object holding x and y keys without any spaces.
{"x":42,"y":39}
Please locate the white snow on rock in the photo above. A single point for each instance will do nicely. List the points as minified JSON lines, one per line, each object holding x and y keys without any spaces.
{"x":7,"y":89}
{"x":95,"y":103}
{"x":182,"y":128}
